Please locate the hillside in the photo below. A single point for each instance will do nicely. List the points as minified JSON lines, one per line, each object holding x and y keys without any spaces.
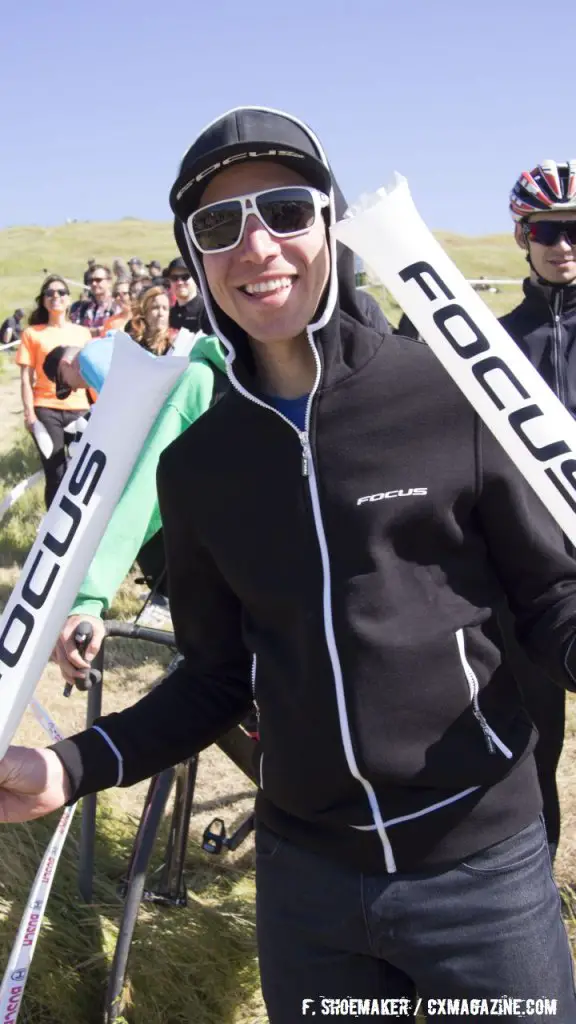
{"x":26,"y":251}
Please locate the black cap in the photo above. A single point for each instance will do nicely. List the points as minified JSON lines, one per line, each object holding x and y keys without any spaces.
{"x":19,"y":313}
{"x":52,"y":362}
{"x":176,"y":264}
{"x":244,"y":134}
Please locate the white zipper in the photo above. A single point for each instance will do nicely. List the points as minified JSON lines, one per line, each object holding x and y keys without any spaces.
{"x":492,"y":740}
{"x":309,"y":472}
{"x":255,"y":702}
{"x":253,"y":683}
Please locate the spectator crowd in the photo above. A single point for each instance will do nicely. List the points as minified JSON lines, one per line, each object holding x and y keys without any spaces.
{"x":150,"y":303}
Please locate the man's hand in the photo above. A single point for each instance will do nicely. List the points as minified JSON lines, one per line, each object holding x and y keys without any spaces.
{"x":29,"y":419}
{"x":70,"y":662}
{"x":33,"y":782}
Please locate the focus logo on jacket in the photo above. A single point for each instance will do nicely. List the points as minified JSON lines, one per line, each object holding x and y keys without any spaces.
{"x":412,"y":492}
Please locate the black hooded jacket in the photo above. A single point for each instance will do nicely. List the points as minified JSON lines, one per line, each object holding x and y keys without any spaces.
{"x":348,"y":577}
{"x":544,"y":327}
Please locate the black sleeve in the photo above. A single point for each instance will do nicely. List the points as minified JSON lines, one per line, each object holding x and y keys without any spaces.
{"x":372,"y":312}
{"x":407,"y":329}
{"x":527,"y":548}
{"x":208,"y":693}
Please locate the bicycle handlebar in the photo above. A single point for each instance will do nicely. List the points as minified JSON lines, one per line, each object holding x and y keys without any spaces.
{"x":91,"y":676}
{"x":113,"y":628}
{"x":133,"y":631}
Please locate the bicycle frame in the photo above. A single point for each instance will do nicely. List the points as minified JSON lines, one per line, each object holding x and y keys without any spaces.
{"x":236,"y":744}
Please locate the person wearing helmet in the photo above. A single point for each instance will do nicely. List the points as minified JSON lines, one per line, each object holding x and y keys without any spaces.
{"x":351,"y":530}
{"x":543,"y":207}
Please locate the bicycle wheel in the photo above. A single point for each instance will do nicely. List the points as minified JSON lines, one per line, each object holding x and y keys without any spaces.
{"x":145,"y":839}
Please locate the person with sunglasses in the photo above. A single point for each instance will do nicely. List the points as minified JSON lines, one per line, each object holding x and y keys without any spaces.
{"x":93,"y":312}
{"x":543,"y":207}
{"x":50,"y":327}
{"x":340,"y":531}
{"x":123,"y":311}
{"x":186,"y":305}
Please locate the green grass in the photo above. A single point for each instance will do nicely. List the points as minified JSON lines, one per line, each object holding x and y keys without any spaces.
{"x":19,"y":527}
{"x":26,"y":251}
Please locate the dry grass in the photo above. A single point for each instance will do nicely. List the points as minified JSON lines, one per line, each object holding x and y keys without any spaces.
{"x":206,"y":970}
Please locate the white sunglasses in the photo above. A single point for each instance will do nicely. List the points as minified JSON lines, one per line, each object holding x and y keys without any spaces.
{"x":284,"y":212}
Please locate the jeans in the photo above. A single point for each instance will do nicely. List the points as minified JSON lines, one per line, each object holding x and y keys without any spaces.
{"x":488,"y":927}
{"x":54,"y":468}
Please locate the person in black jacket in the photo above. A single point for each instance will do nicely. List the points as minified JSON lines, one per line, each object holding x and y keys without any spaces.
{"x":187,"y":307}
{"x":543,"y":206}
{"x":341,"y":532}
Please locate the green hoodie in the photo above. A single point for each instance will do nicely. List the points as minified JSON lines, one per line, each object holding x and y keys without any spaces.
{"x":136,"y":517}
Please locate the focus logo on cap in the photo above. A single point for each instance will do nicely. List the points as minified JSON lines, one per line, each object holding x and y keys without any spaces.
{"x":234,"y":159}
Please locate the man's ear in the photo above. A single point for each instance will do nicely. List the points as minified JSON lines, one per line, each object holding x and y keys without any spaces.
{"x":520,"y":236}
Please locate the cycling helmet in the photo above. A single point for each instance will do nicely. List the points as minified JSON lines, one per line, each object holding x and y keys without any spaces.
{"x":550,"y":186}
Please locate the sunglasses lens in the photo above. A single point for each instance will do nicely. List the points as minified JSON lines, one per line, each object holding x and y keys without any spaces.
{"x":52,"y":292}
{"x":287,"y":211}
{"x":548,"y":232}
{"x":218,"y":226}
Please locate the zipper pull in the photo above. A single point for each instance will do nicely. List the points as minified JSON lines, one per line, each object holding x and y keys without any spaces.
{"x":306,"y":453}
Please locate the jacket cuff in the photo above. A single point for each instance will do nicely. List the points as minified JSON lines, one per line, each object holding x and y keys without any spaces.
{"x":91,"y":763}
{"x":93,"y":606}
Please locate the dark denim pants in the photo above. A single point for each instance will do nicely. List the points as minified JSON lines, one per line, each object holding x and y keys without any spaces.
{"x":486,"y":928}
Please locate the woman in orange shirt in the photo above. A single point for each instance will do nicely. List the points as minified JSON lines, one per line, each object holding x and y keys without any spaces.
{"x":121,"y":296}
{"x":49,"y":327}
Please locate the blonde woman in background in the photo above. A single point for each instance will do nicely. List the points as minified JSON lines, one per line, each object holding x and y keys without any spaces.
{"x":150,"y":325}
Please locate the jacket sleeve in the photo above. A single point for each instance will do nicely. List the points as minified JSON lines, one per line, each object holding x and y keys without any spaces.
{"x":208,"y":692}
{"x":136,"y":517}
{"x":527,"y":549}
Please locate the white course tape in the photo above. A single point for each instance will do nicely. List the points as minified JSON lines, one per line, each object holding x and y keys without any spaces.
{"x":530,"y":423}
{"x":18,"y":967}
{"x":133,"y":393}
{"x":12,"y":497}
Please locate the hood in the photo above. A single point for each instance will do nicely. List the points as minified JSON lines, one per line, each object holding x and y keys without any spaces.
{"x":260,"y":132}
{"x":209,"y":349}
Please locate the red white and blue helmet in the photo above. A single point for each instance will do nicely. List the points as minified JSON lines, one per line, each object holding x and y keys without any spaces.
{"x":550,"y":186}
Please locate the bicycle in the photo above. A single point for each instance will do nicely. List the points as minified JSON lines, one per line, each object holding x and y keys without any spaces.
{"x":166,"y":885}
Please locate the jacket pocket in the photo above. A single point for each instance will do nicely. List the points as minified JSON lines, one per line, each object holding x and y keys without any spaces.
{"x":493,"y":742}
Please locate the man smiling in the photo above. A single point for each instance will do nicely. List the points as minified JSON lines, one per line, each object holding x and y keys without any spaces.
{"x":187,"y":306}
{"x":399,"y":840}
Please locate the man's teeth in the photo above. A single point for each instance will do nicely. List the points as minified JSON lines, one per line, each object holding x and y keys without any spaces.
{"x":268,"y":286}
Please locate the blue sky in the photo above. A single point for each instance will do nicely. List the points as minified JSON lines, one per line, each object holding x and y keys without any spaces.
{"x":100,"y":99}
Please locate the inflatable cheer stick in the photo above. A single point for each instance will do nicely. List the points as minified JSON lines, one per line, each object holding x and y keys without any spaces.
{"x":538,"y":433}
{"x":134,"y":391}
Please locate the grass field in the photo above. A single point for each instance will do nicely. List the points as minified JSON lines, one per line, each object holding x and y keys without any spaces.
{"x":197,"y":965}
{"x":26,"y":252}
